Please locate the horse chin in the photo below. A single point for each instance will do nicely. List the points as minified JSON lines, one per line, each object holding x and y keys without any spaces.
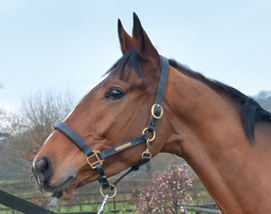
{"x":66,"y":190}
{"x":54,"y":199}
{"x":68,"y":194}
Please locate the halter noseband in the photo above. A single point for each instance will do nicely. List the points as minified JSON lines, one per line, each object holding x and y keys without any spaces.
{"x":156,"y":114}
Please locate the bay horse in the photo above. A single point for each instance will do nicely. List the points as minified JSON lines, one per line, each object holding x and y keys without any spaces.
{"x":223,"y":135}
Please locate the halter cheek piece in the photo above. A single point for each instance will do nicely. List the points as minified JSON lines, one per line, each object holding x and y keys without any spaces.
{"x":156,"y":114}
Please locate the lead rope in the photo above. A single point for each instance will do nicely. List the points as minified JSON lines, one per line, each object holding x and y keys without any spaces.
{"x":104,"y":202}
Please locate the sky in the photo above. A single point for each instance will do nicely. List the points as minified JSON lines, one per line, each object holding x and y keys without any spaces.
{"x":60,"y":45}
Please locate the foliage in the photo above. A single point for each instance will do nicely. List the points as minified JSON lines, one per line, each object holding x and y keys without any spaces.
{"x":7,"y":122}
{"x":167,"y":192}
{"x":264,"y":99}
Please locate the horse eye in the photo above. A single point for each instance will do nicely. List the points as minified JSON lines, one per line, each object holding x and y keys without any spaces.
{"x":115,"y":94}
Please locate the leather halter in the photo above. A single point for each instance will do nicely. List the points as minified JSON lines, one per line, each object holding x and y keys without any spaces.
{"x":156,"y":114}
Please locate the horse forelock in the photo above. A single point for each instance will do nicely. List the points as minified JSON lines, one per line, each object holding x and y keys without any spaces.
{"x":131,"y":59}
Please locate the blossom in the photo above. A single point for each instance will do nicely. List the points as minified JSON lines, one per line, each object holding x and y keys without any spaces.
{"x":166,"y":193}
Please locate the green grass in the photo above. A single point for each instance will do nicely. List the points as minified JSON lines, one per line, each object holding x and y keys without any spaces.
{"x":10,"y":181}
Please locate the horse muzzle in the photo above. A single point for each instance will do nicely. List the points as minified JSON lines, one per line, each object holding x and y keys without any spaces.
{"x":64,"y":189}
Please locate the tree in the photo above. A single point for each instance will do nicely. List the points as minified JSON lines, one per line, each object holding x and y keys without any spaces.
{"x":2,"y":133}
{"x":8,"y":123}
{"x":264,"y":99}
{"x":28,"y":129}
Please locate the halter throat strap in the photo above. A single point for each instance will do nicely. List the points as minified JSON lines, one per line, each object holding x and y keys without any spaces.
{"x":157,"y":110}
{"x":156,"y":114}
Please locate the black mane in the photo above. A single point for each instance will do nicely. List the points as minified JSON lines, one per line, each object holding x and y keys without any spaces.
{"x":250,"y":111}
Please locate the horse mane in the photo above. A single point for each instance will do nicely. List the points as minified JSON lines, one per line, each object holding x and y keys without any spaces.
{"x":250,"y":111}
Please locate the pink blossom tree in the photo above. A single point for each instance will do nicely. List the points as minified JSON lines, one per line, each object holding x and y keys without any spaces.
{"x":166,"y":192}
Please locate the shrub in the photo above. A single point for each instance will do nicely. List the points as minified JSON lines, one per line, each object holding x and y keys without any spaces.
{"x":166,"y":193}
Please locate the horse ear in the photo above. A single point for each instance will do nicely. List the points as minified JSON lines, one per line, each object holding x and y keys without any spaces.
{"x":142,"y":42}
{"x":126,"y":41}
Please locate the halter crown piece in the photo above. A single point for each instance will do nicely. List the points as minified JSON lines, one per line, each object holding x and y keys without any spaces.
{"x":156,"y":114}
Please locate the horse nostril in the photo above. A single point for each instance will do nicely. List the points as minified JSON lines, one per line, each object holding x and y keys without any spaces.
{"x":43,"y":169}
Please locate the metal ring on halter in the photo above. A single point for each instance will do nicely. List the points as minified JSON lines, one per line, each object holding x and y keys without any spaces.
{"x":152,"y":111}
{"x":147,"y":153}
{"x":112,"y":196}
{"x":154,"y":134}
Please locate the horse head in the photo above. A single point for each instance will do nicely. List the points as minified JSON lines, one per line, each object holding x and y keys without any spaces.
{"x":114,"y":111}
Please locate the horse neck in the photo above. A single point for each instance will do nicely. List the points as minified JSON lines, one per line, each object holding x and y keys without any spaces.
{"x":206,"y":130}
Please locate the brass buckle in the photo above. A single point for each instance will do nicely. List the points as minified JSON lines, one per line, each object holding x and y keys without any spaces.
{"x":152,"y":111}
{"x":95,"y":153}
